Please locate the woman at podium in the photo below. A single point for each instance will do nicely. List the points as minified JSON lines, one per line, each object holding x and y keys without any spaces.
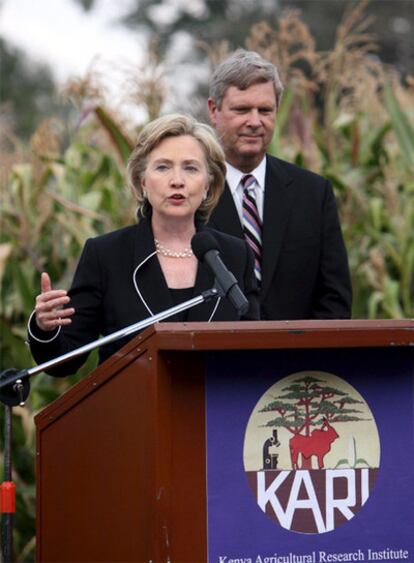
{"x":176,"y":172}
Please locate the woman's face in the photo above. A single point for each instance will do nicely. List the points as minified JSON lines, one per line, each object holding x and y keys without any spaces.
{"x":176,"y":178}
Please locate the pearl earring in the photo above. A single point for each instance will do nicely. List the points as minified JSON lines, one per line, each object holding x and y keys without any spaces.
{"x":144,"y":193}
{"x":205,"y":196}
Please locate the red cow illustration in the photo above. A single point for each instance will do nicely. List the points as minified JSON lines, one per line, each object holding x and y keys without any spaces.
{"x":318,"y":444}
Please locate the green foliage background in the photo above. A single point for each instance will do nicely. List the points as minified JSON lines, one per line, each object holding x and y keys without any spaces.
{"x":343,"y":115}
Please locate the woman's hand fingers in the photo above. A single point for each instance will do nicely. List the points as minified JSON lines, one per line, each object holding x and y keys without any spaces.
{"x":51,"y":320}
{"x":45,"y":282}
{"x":49,"y":306}
{"x":52,"y":299}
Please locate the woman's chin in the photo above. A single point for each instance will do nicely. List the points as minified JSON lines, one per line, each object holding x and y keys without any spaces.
{"x":176,"y":212}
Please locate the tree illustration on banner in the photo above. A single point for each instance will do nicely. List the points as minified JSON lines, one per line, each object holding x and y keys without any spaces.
{"x":306,"y":403}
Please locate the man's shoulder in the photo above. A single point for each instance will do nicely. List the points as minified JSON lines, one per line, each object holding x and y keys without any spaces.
{"x":277,"y":167}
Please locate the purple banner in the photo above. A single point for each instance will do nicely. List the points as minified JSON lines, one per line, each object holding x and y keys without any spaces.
{"x":310,"y":456}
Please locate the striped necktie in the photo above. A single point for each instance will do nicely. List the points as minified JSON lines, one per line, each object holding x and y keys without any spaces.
{"x":252,"y":224}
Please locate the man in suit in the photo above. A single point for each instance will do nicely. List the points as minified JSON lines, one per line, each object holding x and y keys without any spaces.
{"x":287,"y":214}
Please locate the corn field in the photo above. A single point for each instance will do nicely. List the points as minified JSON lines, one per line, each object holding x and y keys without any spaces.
{"x":343,"y":115}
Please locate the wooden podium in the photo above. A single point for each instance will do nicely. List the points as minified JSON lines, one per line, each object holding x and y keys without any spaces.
{"x":121,"y":457}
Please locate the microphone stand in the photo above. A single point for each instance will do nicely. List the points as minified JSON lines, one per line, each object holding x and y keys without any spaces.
{"x":15,"y":388}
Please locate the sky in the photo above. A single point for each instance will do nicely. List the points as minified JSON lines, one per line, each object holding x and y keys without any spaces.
{"x":71,"y":41}
{"x":61,"y":34}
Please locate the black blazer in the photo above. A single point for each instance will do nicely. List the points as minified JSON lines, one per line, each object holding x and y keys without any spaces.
{"x":305,"y":272}
{"x":119,"y":282}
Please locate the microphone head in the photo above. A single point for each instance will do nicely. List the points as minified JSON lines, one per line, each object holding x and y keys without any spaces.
{"x":202,"y":242}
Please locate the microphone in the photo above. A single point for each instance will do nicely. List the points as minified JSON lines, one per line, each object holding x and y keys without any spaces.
{"x":206,"y":249}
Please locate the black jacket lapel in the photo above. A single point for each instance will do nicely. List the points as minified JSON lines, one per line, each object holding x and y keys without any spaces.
{"x":225,"y":217}
{"x":149,"y":278}
{"x":277,"y":205}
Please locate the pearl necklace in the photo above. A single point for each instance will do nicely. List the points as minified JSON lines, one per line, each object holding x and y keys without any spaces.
{"x":186,"y":253}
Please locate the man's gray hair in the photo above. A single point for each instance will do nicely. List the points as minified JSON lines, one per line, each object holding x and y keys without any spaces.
{"x":243,"y":69}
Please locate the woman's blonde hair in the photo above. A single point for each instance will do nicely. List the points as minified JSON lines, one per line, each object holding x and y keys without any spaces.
{"x":176,"y":125}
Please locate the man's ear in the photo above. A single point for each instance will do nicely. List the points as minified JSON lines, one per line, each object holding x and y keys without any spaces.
{"x":212,"y":110}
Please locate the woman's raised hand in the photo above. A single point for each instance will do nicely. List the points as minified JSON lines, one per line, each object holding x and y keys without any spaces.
{"x":49,"y":306}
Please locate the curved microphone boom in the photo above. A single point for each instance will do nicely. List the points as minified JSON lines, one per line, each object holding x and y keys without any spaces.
{"x":207,"y":250}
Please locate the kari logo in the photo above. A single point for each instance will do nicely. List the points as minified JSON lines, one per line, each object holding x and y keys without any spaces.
{"x":311,"y":452}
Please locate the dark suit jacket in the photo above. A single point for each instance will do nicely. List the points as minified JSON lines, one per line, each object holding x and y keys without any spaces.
{"x":119,"y":282}
{"x":305,"y":272}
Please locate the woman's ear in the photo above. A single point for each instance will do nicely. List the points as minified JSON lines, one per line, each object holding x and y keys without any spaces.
{"x":144,"y":192}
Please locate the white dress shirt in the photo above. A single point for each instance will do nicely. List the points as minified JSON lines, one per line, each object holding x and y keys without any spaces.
{"x":233,"y":178}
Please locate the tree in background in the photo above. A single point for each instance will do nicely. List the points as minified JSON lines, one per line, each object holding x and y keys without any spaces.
{"x":27,"y":92}
{"x":184,"y":29}
{"x":392,"y":23}
{"x":213,"y":21}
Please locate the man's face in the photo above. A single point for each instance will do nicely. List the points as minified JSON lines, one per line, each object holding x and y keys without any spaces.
{"x":245,"y":123}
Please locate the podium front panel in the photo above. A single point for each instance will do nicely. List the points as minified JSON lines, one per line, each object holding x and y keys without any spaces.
{"x":310,"y":455}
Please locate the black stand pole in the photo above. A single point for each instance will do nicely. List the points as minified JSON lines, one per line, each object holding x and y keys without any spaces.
{"x":7,"y":493}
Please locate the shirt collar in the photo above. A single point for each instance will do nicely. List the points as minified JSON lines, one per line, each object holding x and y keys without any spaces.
{"x":234,"y":176}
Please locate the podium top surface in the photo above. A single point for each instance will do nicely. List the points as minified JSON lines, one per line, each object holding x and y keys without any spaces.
{"x":281,"y":334}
